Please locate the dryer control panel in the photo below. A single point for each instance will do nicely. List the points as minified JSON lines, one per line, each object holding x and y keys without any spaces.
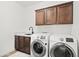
{"x":69,"y":40}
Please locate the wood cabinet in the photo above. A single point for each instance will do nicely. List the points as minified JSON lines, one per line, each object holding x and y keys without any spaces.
{"x":65,"y":14}
{"x":17,"y":42}
{"x":40,"y":17}
{"x":51,"y":15}
{"x":22,"y":44}
{"x":58,"y":14}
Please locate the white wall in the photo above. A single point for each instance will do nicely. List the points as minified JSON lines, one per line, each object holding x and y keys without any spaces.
{"x":75,"y":29}
{"x":11,"y":20}
{"x":30,"y":16}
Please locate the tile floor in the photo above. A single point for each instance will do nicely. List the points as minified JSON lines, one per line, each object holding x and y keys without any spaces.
{"x":19,"y":54}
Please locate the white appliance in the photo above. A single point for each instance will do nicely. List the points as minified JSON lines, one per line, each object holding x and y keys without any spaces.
{"x":39,"y":45}
{"x":61,"y":45}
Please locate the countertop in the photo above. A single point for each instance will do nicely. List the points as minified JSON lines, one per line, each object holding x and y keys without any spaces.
{"x":23,"y":34}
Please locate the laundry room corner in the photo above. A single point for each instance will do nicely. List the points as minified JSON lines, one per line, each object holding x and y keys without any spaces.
{"x":39,"y":29}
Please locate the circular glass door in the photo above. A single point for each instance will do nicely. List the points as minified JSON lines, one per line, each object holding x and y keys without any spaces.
{"x":61,"y":50}
{"x":38,"y":48}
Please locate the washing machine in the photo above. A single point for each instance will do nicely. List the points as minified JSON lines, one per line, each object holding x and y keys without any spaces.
{"x":39,"y":45}
{"x":62,"y":45}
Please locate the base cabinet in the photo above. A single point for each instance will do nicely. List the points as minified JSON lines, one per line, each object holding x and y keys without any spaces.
{"x":22,"y":44}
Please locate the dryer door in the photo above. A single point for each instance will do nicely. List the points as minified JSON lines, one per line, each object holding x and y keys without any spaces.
{"x":38,"y":48}
{"x":61,"y":50}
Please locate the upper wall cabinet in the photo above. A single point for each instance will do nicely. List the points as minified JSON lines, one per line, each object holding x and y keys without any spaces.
{"x":50,"y":15}
{"x":65,"y":14}
{"x":59,"y":14}
{"x":40,"y":17}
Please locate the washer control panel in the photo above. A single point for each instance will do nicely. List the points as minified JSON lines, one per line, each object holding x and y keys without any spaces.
{"x":41,"y":37}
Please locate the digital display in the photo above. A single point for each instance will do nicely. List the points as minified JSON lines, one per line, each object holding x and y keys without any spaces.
{"x":69,"y":40}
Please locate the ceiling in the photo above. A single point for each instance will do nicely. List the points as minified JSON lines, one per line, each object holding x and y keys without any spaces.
{"x":27,"y":3}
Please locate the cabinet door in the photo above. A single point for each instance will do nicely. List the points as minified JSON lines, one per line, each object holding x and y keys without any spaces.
{"x":16,"y":42}
{"x":40,"y":17}
{"x":27,"y":45}
{"x":51,"y":15}
{"x":21,"y":43}
{"x":65,"y":14}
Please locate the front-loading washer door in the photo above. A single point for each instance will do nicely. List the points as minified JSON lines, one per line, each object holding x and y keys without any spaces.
{"x":38,"y":48}
{"x":61,"y":50}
